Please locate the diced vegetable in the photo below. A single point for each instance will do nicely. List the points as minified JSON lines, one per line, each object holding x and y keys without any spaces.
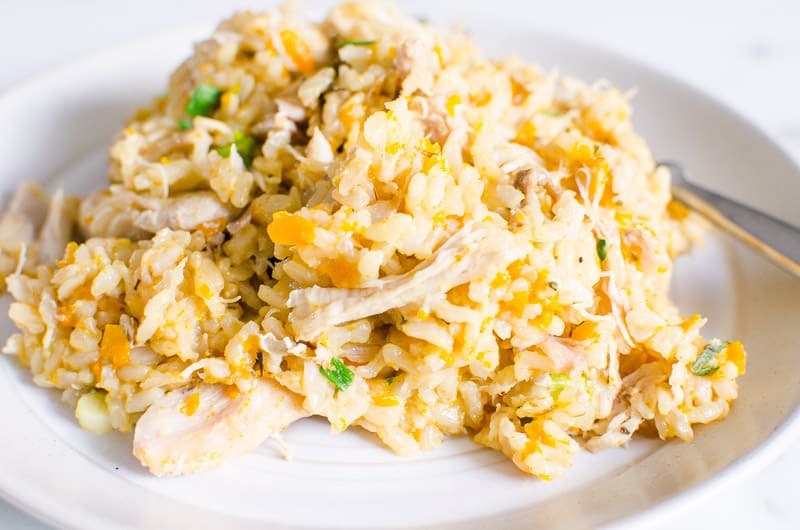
{"x":115,"y":345}
{"x":92,"y":412}
{"x":737,"y":356}
{"x":185,"y":124}
{"x":290,"y":229}
{"x":341,"y":43}
{"x":340,"y":375}
{"x":245,"y":146}
{"x":702,"y":366}
{"x":557,"y":383}
{"x":298,"y":51}
{"x":601,"y":249}
{"x":203,"y":101}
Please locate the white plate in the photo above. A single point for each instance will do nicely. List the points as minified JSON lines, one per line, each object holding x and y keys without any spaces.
{"x":57,"y":129}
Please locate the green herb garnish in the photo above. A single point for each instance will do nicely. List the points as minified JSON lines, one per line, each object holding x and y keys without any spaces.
{"x":185,"y":124}
{"x":601,"y":249}
{"x":340,"y":375}
{"x":557,"y":383}
{"x":245,"y":146}
{"x":203,"y":101}
{"x":702,"y":366}
{"x":224,"y":150}
{"x":340,"y":43}
{"x":596,"y":148}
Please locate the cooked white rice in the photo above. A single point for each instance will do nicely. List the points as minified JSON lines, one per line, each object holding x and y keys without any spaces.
{"x":487,"y":248}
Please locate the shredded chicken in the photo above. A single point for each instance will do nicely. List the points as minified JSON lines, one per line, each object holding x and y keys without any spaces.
{"x":35,"y":229}
{"x":176,"y":436}
{"x":416,"y":65}
{"x":472,"y":252}
{"x":58,"y":227}
{"x":240,"y":222}
{"x":122,"y":213}
{"x":24,"y":217}
{"x":319,"y":148}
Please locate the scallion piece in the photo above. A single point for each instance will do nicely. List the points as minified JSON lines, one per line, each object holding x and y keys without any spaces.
{"x":245,"y":146}
{"x":601,"y":249}
{"x":340,"y":43}
{"x":339,"y":375}
{"x":203,"y":101}
{"x":702,"y":366}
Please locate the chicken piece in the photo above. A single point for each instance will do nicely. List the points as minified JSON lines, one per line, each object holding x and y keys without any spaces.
{"x":123,"y":213}
{"x":19,"y":225}
{"x":182,"y":212}
{"x":291,"y":108}
{"x":319,"y":148}
{"x":35,"y":229}
{"x":108,"y":214}
{"x":181,"y":433}
{"x":475,"y":251}
{"x":240,"y":222}
{"x":58,"y":228}
{"x":416,"y":64}
{"x":24,"y":216}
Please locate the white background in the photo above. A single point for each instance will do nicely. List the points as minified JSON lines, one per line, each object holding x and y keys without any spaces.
{"x":745,"y":52}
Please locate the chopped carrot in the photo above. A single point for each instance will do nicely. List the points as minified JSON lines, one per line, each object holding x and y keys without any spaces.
{"x":298,"y":51}
{"x":584,"y":331}
{"x":737,"y":355}
{"x":115,"y":346}
{"x":290,"y":229}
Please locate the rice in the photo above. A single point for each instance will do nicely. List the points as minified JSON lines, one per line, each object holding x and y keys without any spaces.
{"x":484,"y":247}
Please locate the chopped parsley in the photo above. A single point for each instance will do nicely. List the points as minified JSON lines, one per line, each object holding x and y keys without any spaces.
{"x":339,"y":375}
{"x":245,"y":146}
{"x":341,"y":43}
{"x":601,"y":249}
{"x":702,"y":366}
{"x":203,"y":101}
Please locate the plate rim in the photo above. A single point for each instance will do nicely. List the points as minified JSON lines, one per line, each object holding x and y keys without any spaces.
{"x":773,"y":445}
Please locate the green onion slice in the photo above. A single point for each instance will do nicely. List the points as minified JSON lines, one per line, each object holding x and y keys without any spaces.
{"x":702,"y":366}
{"x":203,"y":101}
{"x":601,"y":249}
{"x":339,"y":375}
{"x":340,"y":43}
{"x":245,"y":146}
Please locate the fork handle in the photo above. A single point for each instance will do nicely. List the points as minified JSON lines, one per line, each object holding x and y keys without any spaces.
{"x":772,"y":237}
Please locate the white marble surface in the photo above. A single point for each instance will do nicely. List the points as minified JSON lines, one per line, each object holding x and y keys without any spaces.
{"x":745,"y":52}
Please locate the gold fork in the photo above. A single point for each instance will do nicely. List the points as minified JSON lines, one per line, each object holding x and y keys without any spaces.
{"x":771,"y":237}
